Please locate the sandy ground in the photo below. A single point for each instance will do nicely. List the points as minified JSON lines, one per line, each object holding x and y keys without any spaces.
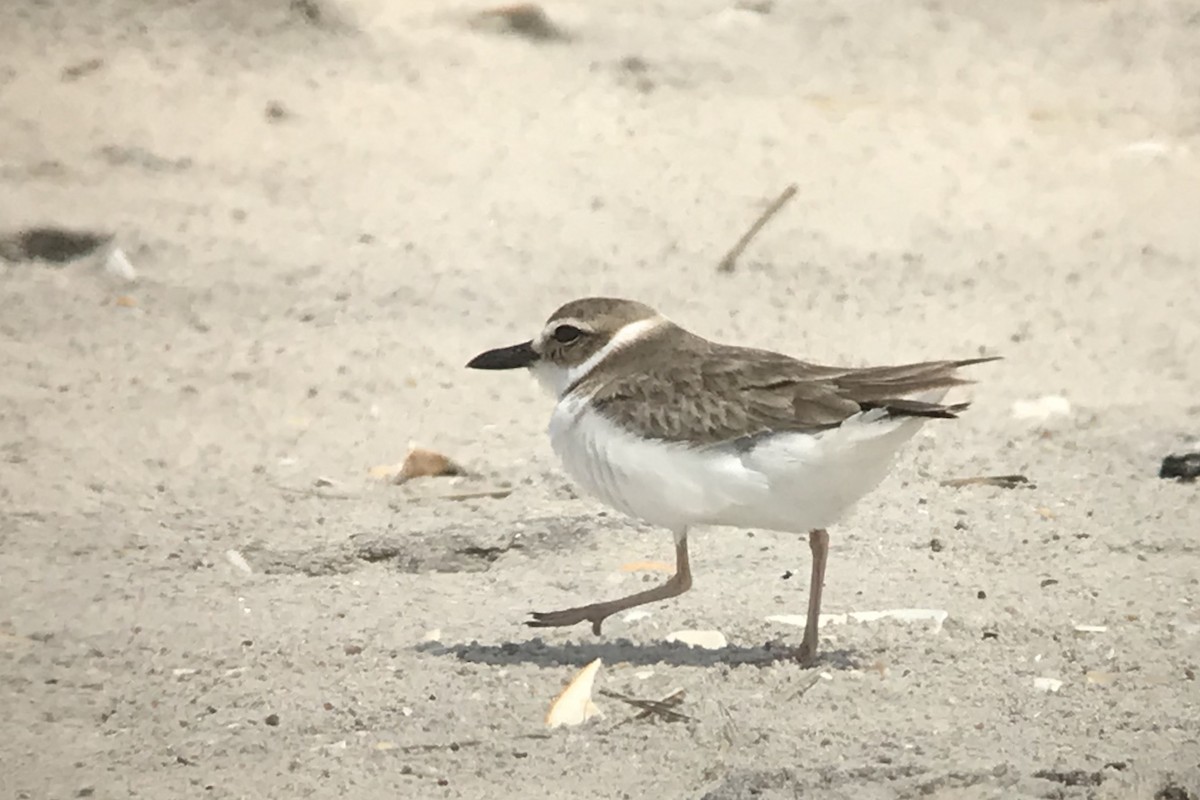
{"x":329,"y":216}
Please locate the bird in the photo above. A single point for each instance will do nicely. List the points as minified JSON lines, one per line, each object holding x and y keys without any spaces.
{"x":679,"y":431}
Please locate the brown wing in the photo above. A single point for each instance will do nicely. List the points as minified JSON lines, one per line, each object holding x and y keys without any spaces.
{"x":714,"y":393}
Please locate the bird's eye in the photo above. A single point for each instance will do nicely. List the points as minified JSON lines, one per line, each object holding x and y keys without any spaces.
{"x":565,"y":334}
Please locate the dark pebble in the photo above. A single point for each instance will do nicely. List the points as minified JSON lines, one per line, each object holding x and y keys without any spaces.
{"x":272,"y":720}
{"x":1184,"y":468}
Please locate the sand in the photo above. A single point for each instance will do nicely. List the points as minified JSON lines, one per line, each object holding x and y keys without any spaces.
{"x":329,"y":211}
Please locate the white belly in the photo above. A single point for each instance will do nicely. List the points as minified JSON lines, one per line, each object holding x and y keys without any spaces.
{"x":786,"y":482}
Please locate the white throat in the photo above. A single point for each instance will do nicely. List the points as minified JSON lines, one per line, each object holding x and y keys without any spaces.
{"x":556,"y":380}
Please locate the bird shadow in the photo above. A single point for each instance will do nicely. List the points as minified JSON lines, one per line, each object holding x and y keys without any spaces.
{"x":540,"y":653}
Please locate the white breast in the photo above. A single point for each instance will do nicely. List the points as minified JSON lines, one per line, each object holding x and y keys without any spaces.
{"x":787,"y":482}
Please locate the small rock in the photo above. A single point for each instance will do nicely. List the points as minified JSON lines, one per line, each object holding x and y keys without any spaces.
{"x":521,"y":19}
{"x":1049,"y":685}
{"x":352,"y":649}
{"x":936,"y":545}
{"x":1183,"y":468}
{"x":272,"y":720}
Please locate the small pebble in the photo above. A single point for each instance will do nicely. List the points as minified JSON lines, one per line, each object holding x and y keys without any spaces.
{"x":272,"y":720}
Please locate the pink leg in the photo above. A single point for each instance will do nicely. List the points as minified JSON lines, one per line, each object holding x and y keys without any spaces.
{"x":818,"y":542}
{"x":596,"y":613}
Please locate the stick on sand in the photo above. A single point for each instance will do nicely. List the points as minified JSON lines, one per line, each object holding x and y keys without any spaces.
{"x":730,"y":260}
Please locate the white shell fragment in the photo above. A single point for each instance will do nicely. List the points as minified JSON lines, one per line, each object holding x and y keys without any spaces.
{"x":636,"y":615}
{"x":1052,"y":405}
{"x":118,"y":265}
{"x":935,"y":615}
{"x":239,"y":561}
{"x":574,"y":705}
{"x":1047,"y":684}
{"x":1091,"y":628}
{"x":706,"y":640}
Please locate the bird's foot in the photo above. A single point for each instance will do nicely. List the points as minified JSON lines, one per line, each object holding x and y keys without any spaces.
{"x":595,"y":614}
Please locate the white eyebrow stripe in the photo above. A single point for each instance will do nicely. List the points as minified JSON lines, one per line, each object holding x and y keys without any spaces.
{"x":625,"y":336}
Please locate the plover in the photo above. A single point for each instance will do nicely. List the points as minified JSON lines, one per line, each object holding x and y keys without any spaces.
{"x":679,"y":431}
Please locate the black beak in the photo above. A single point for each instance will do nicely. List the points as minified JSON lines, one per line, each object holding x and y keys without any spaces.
{"x":519,"y":355}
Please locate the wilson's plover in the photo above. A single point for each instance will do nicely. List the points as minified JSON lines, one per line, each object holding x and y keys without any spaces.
{"x":679,"y":431}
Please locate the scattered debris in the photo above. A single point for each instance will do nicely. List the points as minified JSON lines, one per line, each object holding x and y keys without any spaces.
{"x":1173,"y":791}
{"x":935,"y":615}
{"x":77,"y":71}
{"x":1183,"y":468}
{"x":664,"y":708}
{"x":810,"y":681}
{"x":494,"y":494}
{"x":1049,"y":685}
{"x":239,"y":561}
{"x":422,"y":463}
{"x":321,"y":14}
{"x":120,"y":156}
{"x":1042,"y":408}
{"x":1003,"y":481}
{"x":635,"y":71}
{"x":276,"y":111}
{"x":56,"y":245}
{"x":309,"y":491}
{"x":705,"y":640}
{"x":574,"y":705}
{"x":1075,"y":777}
{"x":636,"y":615}
{"x":520,"y":19}
{"x":728,"y":263}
